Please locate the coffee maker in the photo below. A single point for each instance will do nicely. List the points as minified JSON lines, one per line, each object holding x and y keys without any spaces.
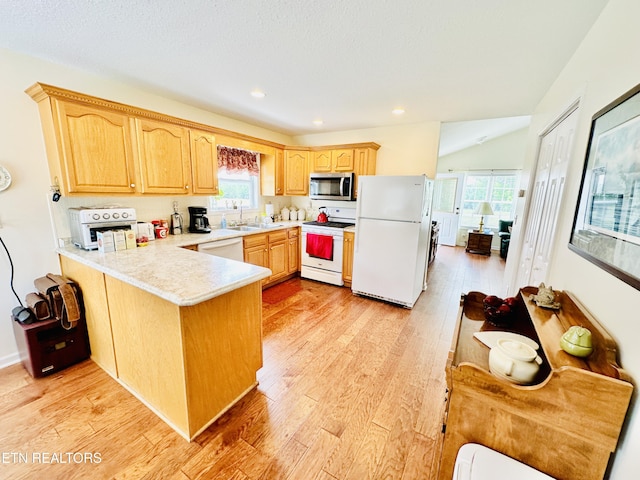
{"x":198,"y":222}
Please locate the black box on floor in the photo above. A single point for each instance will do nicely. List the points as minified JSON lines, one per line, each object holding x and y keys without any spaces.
{"x":46,"y":347}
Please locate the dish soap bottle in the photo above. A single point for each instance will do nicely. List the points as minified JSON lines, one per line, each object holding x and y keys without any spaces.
{"x":223,"y":222}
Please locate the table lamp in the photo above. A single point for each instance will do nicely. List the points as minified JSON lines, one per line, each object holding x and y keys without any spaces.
{"x":484,"y":208}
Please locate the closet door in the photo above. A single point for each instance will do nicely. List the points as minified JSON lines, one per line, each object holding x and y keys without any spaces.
{"x":546,"y":201}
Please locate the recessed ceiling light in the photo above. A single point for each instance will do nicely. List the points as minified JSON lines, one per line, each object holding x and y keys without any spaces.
{"x":257,"y":94}
{"x":398,"y":111}
{"x":318,"y":122}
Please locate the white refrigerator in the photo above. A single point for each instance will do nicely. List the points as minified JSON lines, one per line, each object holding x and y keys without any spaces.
{"x":393,"y":229}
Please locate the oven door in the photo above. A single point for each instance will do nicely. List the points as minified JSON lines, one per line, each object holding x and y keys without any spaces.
{"x":323,"y":270}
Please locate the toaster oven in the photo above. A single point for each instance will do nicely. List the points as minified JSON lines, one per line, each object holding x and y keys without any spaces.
{"x":85,"y":223}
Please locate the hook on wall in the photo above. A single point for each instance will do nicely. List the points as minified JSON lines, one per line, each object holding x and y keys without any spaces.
{"x":55,"y":189}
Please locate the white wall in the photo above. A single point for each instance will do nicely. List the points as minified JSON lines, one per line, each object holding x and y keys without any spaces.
{"x":404,"y":149}
{"x":505,"y":152}
{"x":604,"y":67}
{"x":25,"y":222}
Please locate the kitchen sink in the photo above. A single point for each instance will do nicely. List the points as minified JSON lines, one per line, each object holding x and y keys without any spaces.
{"x":244,"y":228}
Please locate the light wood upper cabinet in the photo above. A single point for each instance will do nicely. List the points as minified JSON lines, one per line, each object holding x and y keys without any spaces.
{"x":96,"y":146}
{"x":94,"y":151}
{"x":163,"y":153}
{"x":322,"y":161}
{"x":364,"y":164}
{"x":339,"y":160}
{"x":204,"y":162}
{"x":342,"y":160}
{"x":272,"y":173}
{"x":296,"y":164}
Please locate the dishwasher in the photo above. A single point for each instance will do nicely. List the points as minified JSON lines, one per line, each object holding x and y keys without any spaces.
{"x":230,"y":248}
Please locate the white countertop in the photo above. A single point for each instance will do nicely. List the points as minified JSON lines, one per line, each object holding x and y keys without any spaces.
{"x":180,"y":276}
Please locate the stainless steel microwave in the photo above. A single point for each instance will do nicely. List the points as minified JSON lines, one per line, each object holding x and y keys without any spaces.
{"x":331,"y":186}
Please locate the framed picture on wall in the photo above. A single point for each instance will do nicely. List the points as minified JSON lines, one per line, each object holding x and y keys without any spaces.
{"x":606,"y":226}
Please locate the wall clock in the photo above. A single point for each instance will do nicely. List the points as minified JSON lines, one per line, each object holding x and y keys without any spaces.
{"x":5,"y":178}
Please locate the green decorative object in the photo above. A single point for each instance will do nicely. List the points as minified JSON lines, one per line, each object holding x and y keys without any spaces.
{"x":577,"y":341}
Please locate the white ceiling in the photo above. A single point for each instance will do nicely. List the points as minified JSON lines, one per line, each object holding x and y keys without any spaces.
{"x":348,"y":62}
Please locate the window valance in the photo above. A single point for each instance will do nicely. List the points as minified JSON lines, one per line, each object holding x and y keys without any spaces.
{"x":234,"y":160}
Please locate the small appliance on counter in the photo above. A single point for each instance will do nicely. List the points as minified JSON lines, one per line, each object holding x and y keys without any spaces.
{"x":176,"y":221}
{"x":198,"y":223}
{"x":86,"y":222}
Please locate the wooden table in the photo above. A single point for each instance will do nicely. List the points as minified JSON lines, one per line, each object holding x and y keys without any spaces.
{"x":479,"y":242}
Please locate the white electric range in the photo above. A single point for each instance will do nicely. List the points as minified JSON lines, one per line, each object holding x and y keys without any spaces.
{"x":320,"y":265}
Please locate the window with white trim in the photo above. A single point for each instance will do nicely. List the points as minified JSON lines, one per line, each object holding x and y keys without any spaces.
{"x":497,"y":189}
{"x":238,"y":180}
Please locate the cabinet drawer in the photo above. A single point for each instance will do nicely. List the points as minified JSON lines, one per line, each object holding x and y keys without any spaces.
{"x":277,"y":236}
{"x":293,"y":232}
{"x":259,"y":239}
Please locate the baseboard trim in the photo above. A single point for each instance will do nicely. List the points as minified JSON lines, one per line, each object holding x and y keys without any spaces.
{"x":9,"y":360}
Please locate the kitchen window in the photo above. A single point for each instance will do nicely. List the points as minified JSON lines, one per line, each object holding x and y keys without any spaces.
{"x":497,"y":189}
{"x":238,"y":174}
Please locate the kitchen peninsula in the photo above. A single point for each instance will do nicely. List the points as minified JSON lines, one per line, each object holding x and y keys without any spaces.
{"x":179,"y":329}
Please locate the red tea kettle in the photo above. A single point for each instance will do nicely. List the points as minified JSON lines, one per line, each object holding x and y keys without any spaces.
{"x":322,"y":217}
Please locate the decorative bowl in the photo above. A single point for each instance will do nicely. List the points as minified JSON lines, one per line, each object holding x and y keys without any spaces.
{"x":497,"y":312}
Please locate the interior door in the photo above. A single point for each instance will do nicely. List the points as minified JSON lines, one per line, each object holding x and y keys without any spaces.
{"x":546,"y":201}
{"x":447,"y":197}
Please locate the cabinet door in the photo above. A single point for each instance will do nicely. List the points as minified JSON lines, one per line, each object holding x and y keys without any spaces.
{"x":257,"y":256}
{"x":342,"y":160}
{"x":272,"y":173}
{"x":204,"y":162}
{"x":364,"y":164}
{"x":296,"y":163}
{"x":293,"y":251}
{"x":97,"y":152}
{"x":322,"y":161}
{"x":347,"y":257}
{"x":163,"y":153}
{"x":278,"y":259}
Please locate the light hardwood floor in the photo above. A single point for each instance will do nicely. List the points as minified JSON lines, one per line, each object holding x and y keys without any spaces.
{"x":351,"y":388}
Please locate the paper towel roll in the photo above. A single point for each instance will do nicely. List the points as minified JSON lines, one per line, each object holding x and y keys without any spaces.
{"x":269,"y":209}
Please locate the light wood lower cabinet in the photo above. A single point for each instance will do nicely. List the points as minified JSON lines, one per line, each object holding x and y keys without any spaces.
{"x":293,"y":255}
{"x":256,"y":251}
{"x":566,"y":424}
{"x":188,"y":364}
{"x":96,"y":307}
{"x":278,"y":252}
{"x":347,"y":258}
{"x":275,"y":251}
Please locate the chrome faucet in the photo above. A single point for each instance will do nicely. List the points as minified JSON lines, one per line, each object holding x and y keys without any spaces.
{"x":241,"y":214}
